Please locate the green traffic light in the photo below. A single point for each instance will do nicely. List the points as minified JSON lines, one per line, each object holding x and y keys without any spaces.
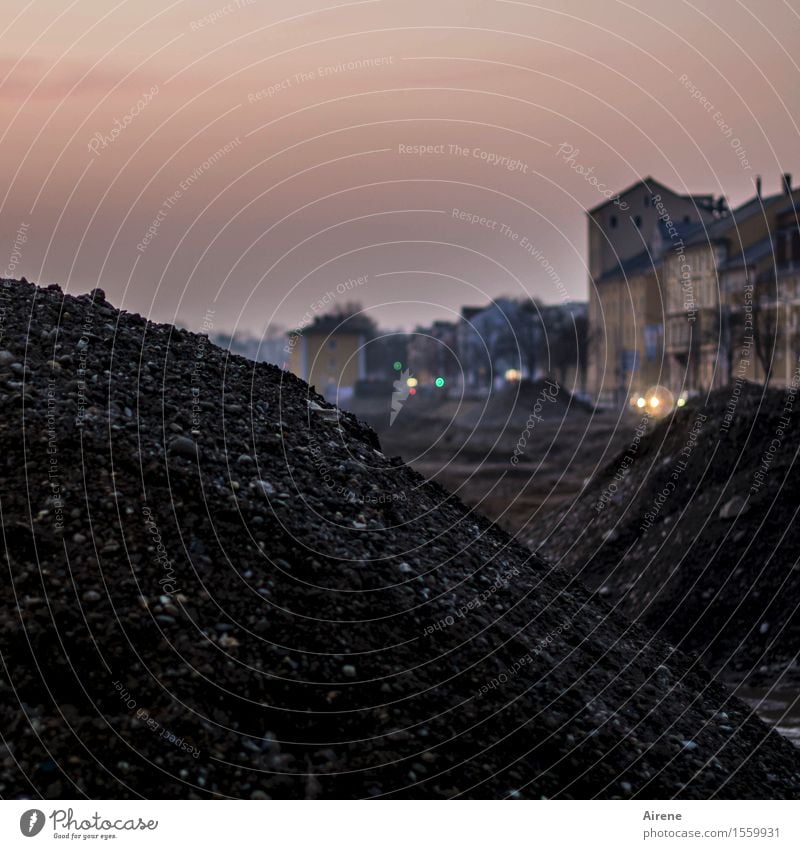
{"x":398,"y":366}
{"x":439,"y":382}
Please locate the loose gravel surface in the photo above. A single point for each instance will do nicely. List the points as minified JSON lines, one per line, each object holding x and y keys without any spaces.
{"x":692,"y":529}
{"x":217,"y":585}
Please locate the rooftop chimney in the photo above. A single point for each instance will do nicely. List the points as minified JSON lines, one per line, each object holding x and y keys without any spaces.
{"x":787,"y":183}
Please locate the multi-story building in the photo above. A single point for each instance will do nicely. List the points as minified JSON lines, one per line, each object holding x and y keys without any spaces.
{"x":730,"y":297}
{"x":629,"y":238}
{"x":711,"y":297}
{"x":786,"y":282}
{"x":520,"y":339}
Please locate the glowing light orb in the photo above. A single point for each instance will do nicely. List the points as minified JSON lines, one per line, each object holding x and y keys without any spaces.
{"x":439,"y":382}
{"x":398,"y":366}
{"x":411,"y":381}
{"x":659,"y":400}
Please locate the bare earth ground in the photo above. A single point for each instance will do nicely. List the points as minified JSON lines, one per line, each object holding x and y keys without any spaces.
{"x":468,"y":446}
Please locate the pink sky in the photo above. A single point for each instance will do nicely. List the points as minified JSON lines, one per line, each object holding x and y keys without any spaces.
{"x":314,"y":187}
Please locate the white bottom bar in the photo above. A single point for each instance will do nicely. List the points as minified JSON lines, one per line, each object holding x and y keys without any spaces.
{"x":401,"y":824}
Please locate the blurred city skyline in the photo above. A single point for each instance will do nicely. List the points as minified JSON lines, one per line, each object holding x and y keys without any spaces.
{"x":247,"y":159}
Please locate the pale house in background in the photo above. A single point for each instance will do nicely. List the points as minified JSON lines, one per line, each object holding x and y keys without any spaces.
{"x":330,"y":354}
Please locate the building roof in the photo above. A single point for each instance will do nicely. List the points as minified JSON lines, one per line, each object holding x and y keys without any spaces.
{"x":644,"y":261}
{"x":792,"y":206}
{"x":470,"y":312}
{"x":336,"y":324}
{"x":684,"y":230}
{"x":756,"y":252}
{"x":721,"y":228}
{"x":703,"y":201}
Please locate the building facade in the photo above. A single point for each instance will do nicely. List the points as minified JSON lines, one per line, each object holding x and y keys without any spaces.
{"x":433,"y":353}
{"x":731,"y":297}
{"x":630,"y":237}
{"x":330,"y":354}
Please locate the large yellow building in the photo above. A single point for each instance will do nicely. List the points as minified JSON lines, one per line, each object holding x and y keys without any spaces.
{"x":688,"y":295}
{"x":629,"y":237}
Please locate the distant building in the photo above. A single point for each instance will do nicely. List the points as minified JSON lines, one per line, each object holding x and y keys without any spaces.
{"x":510,"y":339}
{"x":712,"y":299}
{"x":433,"y":352}
{"x":385,"y":349}
{"x":330,"y":354}
{"x":731,"y":295}
{"x":474,"y":367}
{"x":780,"y":287}
{"x":629,"y":239}
{"x":563,"y":350}
{"x":504,"y":338}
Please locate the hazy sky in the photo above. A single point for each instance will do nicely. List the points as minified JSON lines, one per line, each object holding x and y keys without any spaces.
{"x":267,"y":181}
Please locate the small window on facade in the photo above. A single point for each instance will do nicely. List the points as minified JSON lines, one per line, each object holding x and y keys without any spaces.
{"x":613,"y":220}
{"x":332,"y":343}
{"x":687,"y":219}
{"x":780,"y":248}
{"x":637,"y":220}
{"x":647,"y":200}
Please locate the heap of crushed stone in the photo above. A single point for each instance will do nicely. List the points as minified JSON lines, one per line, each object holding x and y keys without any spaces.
{"x":692,"y":530}
{"x":516,"y":400}
{"x":217,"y":586}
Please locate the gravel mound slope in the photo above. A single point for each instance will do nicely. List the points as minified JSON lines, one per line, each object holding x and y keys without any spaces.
{"x":217,"y":586}
{"x":516,"y":400}
{"x":693,"y":530}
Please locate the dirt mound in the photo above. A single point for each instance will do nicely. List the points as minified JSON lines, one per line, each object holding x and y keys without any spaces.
{"x":218,"y":586}
{"x":517,"y":401}
{"x":692,"y":529}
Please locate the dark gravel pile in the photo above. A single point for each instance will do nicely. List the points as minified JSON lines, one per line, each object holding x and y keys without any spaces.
{"x":517,"y":401}
{"x":692,"y":530}
{"x":215,"y":588}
